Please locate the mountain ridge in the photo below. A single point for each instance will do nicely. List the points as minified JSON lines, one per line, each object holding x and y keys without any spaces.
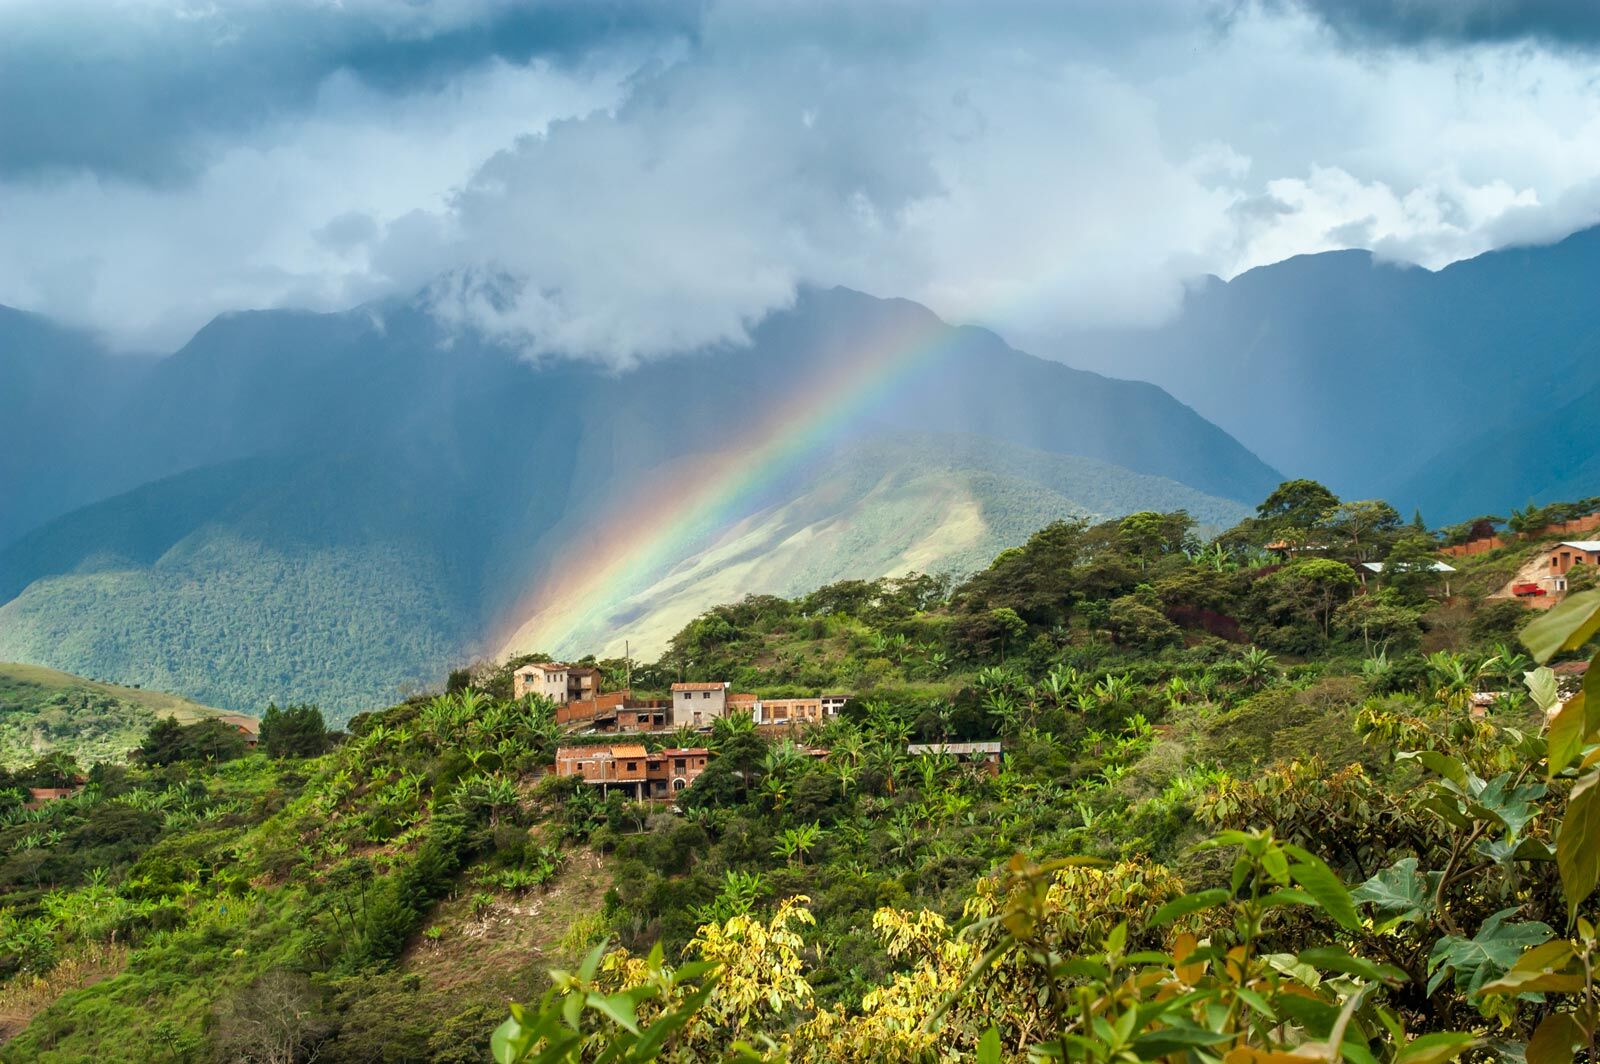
{"x":306,"y":485}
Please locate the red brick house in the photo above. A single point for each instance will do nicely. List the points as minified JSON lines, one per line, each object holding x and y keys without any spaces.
{"x":632,"y":769}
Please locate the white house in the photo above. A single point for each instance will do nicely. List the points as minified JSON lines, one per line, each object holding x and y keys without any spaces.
{"x":698,"y":704}
{"x":547,"y":678}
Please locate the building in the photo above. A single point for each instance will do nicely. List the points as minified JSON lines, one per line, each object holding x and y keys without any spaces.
{"x":792,"y":712}
{"x":696,"y":705}
{"x":1542,"y":582}
{"x":583,"y":683}
{"x":1559,"y":560}
{"x":547,"y":678}
{"x":249,"y":727}
{"x":1377,"y":568}
{"x":38,"y":796}
{"x":632,"y":770}
{"x":986,"y":753}
{"x":675,"y":769}
{"x":650,"y":715}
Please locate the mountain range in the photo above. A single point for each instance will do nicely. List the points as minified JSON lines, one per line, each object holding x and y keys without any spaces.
{"x":334,"y":506}
{"x":1461,"y":391}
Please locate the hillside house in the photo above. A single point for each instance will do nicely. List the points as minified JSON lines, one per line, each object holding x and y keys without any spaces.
{"x":633,"y":770}
{"x":1543,"y":580}
{"x":696,"y":705}
{"x":249,"y":727}
{"x":583,"y":683}
{"x":38,"y":796}
{"x":1560,"y":559}
{"x":547,"y":678}
{"x":1377,"y":569}
{"x":793,"y":712}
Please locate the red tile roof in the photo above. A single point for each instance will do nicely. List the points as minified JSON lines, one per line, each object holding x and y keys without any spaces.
{"x":699,"y":686}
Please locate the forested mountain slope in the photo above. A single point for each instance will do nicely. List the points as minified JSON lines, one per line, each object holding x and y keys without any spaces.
{"x":1387,"y":379}
{"x":330,"y":507}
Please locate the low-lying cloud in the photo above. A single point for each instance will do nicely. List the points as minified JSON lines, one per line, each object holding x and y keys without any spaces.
{"x":622,"y":195}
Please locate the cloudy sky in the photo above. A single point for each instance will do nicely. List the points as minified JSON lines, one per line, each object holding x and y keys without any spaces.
{"x":616,"y":180}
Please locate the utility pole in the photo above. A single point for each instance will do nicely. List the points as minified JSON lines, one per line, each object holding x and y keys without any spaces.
{"x":627,"y":664}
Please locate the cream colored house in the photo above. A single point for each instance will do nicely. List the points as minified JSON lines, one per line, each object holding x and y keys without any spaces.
{"x":547,"y":678}
{"x":698,"y":704}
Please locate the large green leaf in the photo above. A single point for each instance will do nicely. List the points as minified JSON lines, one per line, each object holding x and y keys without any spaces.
{"x":1578,"y":845}
{"x":1399,"y":893}
{"x":1541,"y":684}
{"x":1566,"y":627}
{"x":989,"y":1047}
{"x":1435,"y":1048}
{"x":1568,"y":729}
{"x":1334,"y":959}
{"x":1184,"y":904}
{"x":1557,"y":1035}
{"x":1312,"y":875}
{"x":1513,"y":806}
{"x":1487,"y":955}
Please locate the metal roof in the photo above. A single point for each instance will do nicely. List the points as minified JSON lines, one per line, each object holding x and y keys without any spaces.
{"x":1438,"y":567}
{"x":991,"y":746}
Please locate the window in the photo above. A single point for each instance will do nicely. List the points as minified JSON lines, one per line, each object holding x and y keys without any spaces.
{"x":677,"y":785}
{"x":705,"y":694}
{"x":678,"y":764}
{"x":633,"y":766}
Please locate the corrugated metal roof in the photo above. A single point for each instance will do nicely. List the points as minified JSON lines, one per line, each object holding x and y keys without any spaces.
{"x":986,"y":747}
{"x":1438,"y":567}
{"x":1590,"y":545}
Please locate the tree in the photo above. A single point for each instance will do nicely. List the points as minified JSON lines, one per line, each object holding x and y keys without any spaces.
{"x":276,"y":1020}
{"x":1134,"y":624}
{"x":1304,"y":594}
{"x":1303,"y":504}
{"x":294,"y":731}
{"x":1409,"y":568}
{"x":1365,"y":525}
{"x":168,"y":742}
{"x":1382,"y":621}
{"x":1009,"y":625}
{"x":1148,"y":535}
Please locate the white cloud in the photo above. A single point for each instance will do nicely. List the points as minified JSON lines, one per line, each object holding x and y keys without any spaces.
{"x":1019,"y":170}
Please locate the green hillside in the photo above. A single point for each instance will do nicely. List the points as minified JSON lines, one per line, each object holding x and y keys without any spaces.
{"x":1237,"y":817}
{"x":43,"y":711}
{"x":901,"y":502}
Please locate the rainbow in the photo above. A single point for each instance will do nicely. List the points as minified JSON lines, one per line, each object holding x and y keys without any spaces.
{"x":584,"y":586}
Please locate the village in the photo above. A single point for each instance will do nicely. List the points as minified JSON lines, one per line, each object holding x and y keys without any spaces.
{"x":633,"y":770}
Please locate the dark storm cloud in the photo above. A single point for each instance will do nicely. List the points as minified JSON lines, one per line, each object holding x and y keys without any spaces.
{"x":1557,"y":23}
{"x":144,"y":91}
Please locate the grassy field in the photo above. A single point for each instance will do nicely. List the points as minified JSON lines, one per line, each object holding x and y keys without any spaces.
{"x":42,"y":710}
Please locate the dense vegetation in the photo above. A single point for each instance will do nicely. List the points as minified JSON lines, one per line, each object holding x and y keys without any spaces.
{"x":1245,"y":808}
{"x":43,"y":711}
